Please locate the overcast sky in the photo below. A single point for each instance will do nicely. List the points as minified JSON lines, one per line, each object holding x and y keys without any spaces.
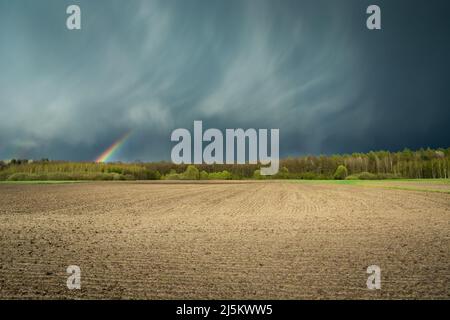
{"x":310,"y":68}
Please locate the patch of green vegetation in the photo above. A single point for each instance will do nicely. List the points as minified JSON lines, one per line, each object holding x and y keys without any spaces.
{"x":192,"y":173}
{"x":437,"y":181}
{"x":41,"y":182}
{"x":341,"y":173}
{"x":415,"y":189}
{"x":384,"y":184}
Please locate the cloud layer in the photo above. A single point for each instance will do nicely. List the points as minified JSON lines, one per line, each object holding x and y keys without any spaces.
{"x":310,"y":68}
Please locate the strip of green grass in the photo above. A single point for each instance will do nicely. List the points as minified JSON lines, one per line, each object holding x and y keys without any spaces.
{"x":42,"y":182}
{"x":383,"y":183}
{"x":415,"y":189}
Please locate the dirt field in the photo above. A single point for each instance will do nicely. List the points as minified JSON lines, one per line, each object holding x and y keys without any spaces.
{"x":264,"y":240}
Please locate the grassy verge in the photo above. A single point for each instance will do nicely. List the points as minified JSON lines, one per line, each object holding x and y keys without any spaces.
{"x":42,"y":182}
{"x":415,"y":189}
{"x":385,"y":184}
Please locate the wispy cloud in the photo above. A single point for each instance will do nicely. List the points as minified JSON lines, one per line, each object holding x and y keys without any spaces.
{"x":306,"y":67}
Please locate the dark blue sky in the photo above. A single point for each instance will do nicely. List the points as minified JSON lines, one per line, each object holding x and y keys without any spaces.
{"x":310,"y":68}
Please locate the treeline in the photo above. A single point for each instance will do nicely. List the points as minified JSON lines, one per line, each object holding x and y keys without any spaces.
{"x":420,"y":164}
{"x":24,"y":170}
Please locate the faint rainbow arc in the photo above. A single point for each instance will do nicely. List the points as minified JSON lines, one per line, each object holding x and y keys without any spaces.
{"x":112,"y":148}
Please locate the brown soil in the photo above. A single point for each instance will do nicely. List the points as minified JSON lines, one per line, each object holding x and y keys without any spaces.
{"x":247,"y":240}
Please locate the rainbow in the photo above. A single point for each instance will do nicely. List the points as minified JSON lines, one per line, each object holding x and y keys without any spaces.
{"x":106,"y":155}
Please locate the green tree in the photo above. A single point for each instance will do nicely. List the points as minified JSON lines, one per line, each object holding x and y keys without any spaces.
{"x":224,"y":175}
{"x":257,"y":174}
{"x":283,"y":173}
{"x":191,"y":173}
{"x":204,"y":175}
{"x":341,"y":173}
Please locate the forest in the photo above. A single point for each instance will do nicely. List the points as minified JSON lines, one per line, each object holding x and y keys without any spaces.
{"x":407,"y":164}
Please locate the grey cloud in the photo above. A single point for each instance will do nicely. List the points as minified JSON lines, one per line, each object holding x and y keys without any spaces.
{"x":307,"y":67}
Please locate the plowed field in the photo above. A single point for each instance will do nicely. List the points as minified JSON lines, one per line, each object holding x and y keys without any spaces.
{"x":223,"y":240}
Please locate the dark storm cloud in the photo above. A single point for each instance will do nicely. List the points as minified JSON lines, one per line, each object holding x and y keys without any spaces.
{"x":310,"y":68}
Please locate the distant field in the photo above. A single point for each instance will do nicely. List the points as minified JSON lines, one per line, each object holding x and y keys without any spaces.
{"x":226,"y":239}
